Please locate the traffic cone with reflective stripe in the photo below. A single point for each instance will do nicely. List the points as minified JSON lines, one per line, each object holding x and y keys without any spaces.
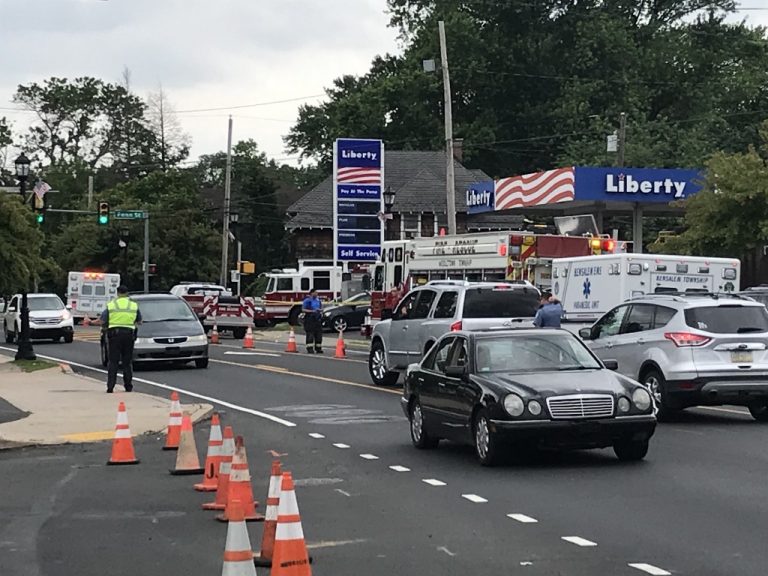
{"x":248,"y":340}
{"x":187,"y":460}
{"x":122,"y":445}
{"x":222,"y":490}
{"x":341,"y":349}
{"x":290,"y":557}
{"x":213,"y":458}
{"x":264,"y":558}
{"x":240,"y":486}
{"x":237,"y":551}
{"x":173,"y":435}
{"x":291,"y":346}
{"x":215,"y":332}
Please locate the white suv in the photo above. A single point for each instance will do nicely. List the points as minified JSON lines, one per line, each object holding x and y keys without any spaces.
{"x":690,"y":349}
{"x":442,"y":306}
{"x":48,"y":318}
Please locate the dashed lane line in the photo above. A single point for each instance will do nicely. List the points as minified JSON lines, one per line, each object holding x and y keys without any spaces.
{"x":523,"y":518}
{"x":579,"y":541}
{"x":342,"y":446}
{"x":315,"y":435}
{"x":726,"y":410}
{"x":650,"y":569}
{"x":369,"y":457}
{"x":399,"y":468}
{"x":189,"y":393}
{"x":474,"y":498}
{"x":433,"y":482}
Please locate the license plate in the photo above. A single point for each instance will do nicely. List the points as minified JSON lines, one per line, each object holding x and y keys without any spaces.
{"x":741,"y":357}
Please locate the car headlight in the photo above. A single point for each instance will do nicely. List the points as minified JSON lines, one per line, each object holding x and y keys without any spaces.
{"x":198,"y":338}
{"x":65,"y":316}
{"x":144,"y":340}
{"x":641,"y":399}
{"x":513,"y":404}
{"x":624,"y":404}
{"x":534,"y":407}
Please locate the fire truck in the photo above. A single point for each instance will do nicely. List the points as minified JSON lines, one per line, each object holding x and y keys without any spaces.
{"x":217,"y":306}
{"x":485,"y":256}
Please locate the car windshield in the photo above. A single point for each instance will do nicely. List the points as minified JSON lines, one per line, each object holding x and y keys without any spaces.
{"x":165,"y":310}
{"x":728,"y":319}
{"x":533,"y":353}
{"x":501,"y":301}
{"x":44,"y":303}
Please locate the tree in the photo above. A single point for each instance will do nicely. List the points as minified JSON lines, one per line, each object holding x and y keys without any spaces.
{"x":172,"y":142}
{"x":5,"y":141}
{"x":20,"y":243}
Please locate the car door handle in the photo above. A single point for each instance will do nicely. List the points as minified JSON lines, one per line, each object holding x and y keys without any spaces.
{"x":640,"y":341}
{"x":609,"y":344}
{"x":405,"y":327}
{"x":441,"y":384}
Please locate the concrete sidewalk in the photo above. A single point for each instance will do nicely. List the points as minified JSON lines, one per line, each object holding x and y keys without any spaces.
{"x":68,"y":408}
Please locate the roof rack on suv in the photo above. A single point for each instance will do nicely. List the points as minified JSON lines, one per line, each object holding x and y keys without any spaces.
{"x":446,"y":283}
{"x":682,"y":296}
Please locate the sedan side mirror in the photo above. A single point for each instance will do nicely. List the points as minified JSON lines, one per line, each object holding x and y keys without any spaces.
{"x":585,"y":333}
{"x":456,"y":371}
{"x":611,"y":364}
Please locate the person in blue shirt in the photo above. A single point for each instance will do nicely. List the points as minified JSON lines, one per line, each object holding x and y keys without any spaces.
{"x":312,"y":308}
{"x":549,"y":313}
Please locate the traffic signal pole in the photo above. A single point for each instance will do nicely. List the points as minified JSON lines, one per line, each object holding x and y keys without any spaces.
{"x":146,"y":253}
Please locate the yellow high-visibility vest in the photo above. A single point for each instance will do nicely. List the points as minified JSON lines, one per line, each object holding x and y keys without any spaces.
{"x":122,"y":313}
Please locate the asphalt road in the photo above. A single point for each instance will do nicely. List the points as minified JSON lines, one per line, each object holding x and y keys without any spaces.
{"x":698,"y":505}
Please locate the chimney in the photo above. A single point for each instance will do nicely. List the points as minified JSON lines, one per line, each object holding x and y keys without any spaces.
{"x":458,"y":149}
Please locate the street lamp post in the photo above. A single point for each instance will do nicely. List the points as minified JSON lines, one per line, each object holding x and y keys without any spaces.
{"x":389,"y":202}
{"x":24,"y":350}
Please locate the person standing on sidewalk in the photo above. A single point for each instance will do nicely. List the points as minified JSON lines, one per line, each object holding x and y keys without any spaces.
{"x":120,"y":318}
{"x":313,"y":322}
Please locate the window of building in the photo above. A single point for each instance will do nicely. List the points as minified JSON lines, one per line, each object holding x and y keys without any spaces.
{"x":410,"y":225}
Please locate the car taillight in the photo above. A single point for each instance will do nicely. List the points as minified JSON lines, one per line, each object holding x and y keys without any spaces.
{"x":682,"y":339}
{"x":456,"y":326}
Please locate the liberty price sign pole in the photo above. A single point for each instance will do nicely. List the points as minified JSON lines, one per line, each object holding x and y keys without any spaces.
{"x":358,"y":181}
{"x":138,"y":215}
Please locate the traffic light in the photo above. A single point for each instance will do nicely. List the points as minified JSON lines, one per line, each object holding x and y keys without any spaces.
{"x":40,"y":217}
{"x":39,"y":207}
{"x":103,"y":213}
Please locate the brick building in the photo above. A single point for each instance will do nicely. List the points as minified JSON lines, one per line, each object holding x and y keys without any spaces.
{"x":418,"y":180}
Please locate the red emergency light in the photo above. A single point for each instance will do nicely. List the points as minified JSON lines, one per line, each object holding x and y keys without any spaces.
{"x":609,"y":246}
{"x":502,"y":249}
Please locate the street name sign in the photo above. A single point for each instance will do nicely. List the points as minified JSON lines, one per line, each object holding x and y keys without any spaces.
{"x":129,"y":215}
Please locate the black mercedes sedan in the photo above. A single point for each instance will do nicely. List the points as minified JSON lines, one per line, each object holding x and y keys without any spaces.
{"x":522,"y":389}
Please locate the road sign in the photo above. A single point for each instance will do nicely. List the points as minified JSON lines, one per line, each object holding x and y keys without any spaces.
{"x":129,"y":215}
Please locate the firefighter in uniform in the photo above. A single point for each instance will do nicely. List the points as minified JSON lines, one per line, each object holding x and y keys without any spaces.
{"x":313,"y":322}
{"x":120,"y":318}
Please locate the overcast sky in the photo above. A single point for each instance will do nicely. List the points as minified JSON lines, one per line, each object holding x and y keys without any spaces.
{"x":206,"y":54}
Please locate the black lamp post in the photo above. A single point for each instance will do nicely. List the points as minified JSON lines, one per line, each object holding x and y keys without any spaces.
{"x":25,"y":350}
{"x":389,"y":201}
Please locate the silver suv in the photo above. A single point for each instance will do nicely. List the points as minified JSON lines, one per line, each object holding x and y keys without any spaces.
{"x":441,"y":306}
{"x":690,"y":350}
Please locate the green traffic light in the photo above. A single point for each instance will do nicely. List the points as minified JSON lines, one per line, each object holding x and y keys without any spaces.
{"x":103,"y":219}
{"x":40,"y":218}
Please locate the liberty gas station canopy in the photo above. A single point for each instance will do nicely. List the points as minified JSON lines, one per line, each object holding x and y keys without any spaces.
{"x":573,"y":190}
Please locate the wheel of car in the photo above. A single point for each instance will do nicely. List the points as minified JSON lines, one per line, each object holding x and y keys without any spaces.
{"x":104,"y":357}
{"x":340,"y":324}
{"x":8,"y":335}
{"x":486,"y":442}
{"x":657,"y":386}
{"x":759,"y":410}
{"x":201,"y":363}
{"x":239,"y":333}
{"x":419,"y":436}
{"x":377,"y":366}
{"x":69,"y":338}
{"x":631,"y":450}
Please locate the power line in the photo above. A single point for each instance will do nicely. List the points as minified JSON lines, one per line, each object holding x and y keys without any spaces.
{"x":239,"y":106}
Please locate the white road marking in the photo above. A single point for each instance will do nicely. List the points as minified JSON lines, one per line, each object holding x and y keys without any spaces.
{"x":579,"y":541}
{"x":433,"y":482}
{"x":369,"y":456}
{"x":340,"y":445}
{"x":651,"y":569}
{"x":176,"y":389}
{"x":229,"y":353}
{"x":474,"y":498}
{"x":522,"y":518}
{"x":316,"y":435}
{"x":334,"y":544}
{"x":399,"y":468}
{"x":444,"y":549}
{"x":340,"y":491}
{"x":726,"y":410}
{"x":526,"y":563}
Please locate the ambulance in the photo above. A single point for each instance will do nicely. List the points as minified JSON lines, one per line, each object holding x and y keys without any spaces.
{"x":590,"y":286}
{"x":89,"y":292}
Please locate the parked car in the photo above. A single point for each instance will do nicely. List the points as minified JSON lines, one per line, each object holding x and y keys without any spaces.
{"x":690,"y":349}
{"x":49,"y":318}
{"x":170,"y":332}
{"x":347,"y":314}
{"x":519,"y":389}
{"x":429,"y":311}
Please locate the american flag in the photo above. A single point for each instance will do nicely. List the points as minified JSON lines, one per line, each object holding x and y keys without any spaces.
{"x":359,"y":176}
{"x":40,"y":189}
{"x":536,"y":189}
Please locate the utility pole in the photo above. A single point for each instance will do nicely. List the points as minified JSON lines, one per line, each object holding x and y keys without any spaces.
{"x":90,"y":192}
{"x":227,"y":197}
{"x":239,"y":266}
{"x":146,"y":253}
{"x":450,"y":185}
{"x":622,"y":140}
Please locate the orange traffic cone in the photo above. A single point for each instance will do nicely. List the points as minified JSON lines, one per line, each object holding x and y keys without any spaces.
{"x":237,"y":550}
{"x":341,"y":349}
{"x":187,"y":461}
{"x":222,"y":490}
{"x":291,"y":346}
{"x":240,"y":486}
{"x":173,"y":435}
{"x":86,"y":321}
{"x":248,"y":340}
{"x":215,"y":333}
{"x":264,"y":558}
{"x":213,"y":458}
{"x":122,"y":445}
{"x":290,"y":557}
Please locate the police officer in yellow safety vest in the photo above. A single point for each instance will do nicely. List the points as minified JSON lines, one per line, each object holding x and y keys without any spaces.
{"x":120,"y":318}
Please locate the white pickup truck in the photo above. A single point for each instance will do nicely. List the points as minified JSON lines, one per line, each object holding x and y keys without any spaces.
{"x":49,"y":319}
